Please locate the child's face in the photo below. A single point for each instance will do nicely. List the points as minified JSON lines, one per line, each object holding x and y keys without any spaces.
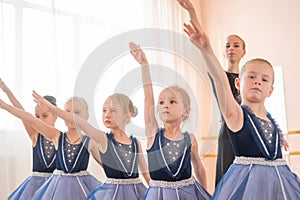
{"x":257,"y":82}
{"x":169,"y":106}
{"x":113,"y":115}
{"x":77,"y":108}
{"x":44,"y":115}
{"x":234,"y":49}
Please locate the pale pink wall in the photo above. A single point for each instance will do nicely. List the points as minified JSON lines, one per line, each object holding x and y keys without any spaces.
{"x":271,"y":29}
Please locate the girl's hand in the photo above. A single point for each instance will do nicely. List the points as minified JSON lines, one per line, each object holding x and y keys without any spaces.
{"x":197,"y":36}
{"x":186,"y":4}
{"x":3,"y":87}
{"x":138,"y":53}
{"x":42,"y":101}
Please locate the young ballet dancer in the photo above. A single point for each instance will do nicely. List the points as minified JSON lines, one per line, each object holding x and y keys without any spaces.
{"x":121,"y":155}
{"x":70,"y":179}
{"x":43,"y":151}
{"x":258,"y":171}
{"x":234,"y":51}
{"x":170,"y":151}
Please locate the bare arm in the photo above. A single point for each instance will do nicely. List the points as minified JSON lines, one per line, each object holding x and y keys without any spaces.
{"x":230,"y":109}
{"x":48,"y":131}
{"x":198,"y":167}
{"x":151,"y":125}
{"x":32,"y":133}
{"x":187,"y":5}
{"x":93,"y":148}
{"x":98,"y":136}
{"x":143,"y":165}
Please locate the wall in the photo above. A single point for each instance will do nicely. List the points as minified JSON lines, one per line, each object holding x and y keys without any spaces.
{"x":271,"y":30}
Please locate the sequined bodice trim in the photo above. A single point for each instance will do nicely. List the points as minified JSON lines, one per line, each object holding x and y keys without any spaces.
{"x":129,"y":154}
{"x":170,"y":157}
{"x":48,"y":151}
{"x":71,"y":153}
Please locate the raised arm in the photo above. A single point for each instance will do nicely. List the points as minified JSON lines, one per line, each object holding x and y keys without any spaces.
{"x":10,"y":95}
{"x":97,"y":135}
{"x":48,"y":131}
{"x":187,"y":5}
{"x":230,"y":109}
{"x":32,"y":133}
{"x":151,"y":125}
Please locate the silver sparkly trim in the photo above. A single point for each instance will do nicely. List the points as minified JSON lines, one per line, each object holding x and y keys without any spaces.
{"x":78,"y":155}
{"x":134,"y":159}
{"x":42,"y":152}
{"x":123,"y":181}
{"x":258,"y":161}
{"x":164,"y":159}
{"x":173,"y":185}
{"x":61,"y":173}
{"x":261,"y":140}
{"x":41,"y":174}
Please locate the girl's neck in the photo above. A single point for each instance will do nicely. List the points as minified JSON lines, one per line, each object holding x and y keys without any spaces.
{"x":233,"y":68}
{"x":74,"y":136}
{"x":120,"y":135}
{"x":172,"y":131}
{"x":258,"y":110}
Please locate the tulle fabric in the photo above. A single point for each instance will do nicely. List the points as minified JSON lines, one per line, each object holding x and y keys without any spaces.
{"x":67,"y":187}
{"x":190,"y":192}
{"x":27,"y":189}
{"x":119,"y":192}
{"x":252,"y":182}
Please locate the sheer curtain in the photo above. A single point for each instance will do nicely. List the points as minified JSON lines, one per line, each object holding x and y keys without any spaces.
{"x":168,"y":14}
{"x":44,"y":43}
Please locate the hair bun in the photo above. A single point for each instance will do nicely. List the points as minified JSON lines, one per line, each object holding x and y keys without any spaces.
{"x":51,"y":99}
{"x":135,"y":111}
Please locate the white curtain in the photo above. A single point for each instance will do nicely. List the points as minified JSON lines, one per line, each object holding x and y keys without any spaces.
{"x":45,"y":43}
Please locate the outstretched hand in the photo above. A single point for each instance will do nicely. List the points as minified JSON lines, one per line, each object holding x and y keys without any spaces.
{"x":3,"y":87}
{"x":186,"y":4}
{"x":138,"y":53}
{"x":41,"y":101}
{"x":197,"y":36}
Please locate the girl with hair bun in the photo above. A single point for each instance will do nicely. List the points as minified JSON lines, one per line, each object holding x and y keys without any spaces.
{"x":70,"y":178}
{"x":121,"y":155}
{"x":172,"y":153}
{"x":43,"y":151}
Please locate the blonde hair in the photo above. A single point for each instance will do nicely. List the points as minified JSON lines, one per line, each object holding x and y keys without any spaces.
{"x":79,"y":99}
{"x":243,"y":42}
{"x":125,"y":103}
{"x":256,"y":60}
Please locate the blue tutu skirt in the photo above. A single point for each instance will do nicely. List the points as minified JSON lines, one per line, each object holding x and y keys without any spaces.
{"x":27,"y":189}
{"x":75,"y":186}
{"x":188,"y":189}
{"x":119,"y":189}
{"x":256,"y":178}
